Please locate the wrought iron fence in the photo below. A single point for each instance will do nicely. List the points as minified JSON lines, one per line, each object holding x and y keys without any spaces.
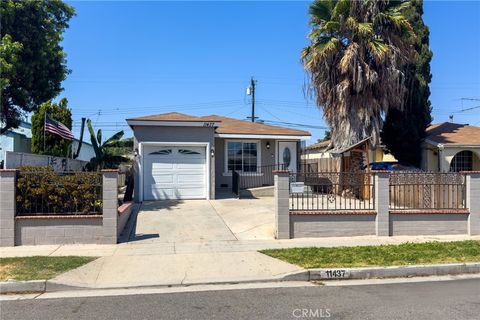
{"x":427,"y":190}
{"x":44,"y":192}
{"x":332,"y":191}
{"x":261,"y":178}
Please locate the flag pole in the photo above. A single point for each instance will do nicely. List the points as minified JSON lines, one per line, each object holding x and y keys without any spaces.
{"x":44,"y":129}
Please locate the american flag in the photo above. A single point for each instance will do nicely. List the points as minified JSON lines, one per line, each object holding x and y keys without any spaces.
{"x":57,"y":128}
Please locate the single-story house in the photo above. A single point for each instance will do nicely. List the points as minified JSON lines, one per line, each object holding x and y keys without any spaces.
{"x":447,"y":147}
{"x":16,"y":139}
{"x":316,"y":157}
{"x":180,"y":156}
{"x":451,"y":147}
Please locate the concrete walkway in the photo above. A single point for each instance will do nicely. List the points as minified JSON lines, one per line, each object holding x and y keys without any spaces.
{"x":134,"y":249}
{"x":178,"y":269}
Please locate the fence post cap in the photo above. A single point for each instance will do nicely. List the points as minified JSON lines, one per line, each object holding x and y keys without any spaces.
{"x":110,"y":170}
{"x":380,"y":171}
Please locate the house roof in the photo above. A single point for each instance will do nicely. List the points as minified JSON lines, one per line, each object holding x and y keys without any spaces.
{"x":170,"y":116}
{"x":448,"y":133}
{"x":318,"y":145}
{"x":226,"y":125}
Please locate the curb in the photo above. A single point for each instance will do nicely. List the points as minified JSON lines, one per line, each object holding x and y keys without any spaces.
{"x":42,"y":286}
{"x":394,"y":271}
{"x":23,"y":286}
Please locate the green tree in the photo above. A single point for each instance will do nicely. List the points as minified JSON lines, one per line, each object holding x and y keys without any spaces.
{"x":103,"y":158}
{"x":355,"y":62}
{"x":32,"y":59}
{"x":327,"y":136}
{"x":54,"y":144}
{"x":404,"y":130}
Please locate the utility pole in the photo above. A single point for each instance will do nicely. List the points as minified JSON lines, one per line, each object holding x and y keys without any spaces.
{"x":251,"y":91}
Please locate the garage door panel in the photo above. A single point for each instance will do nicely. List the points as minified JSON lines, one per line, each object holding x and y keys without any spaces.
{"x":163,"y":178}
{"x":196,"y":179}
{"x":161,"y":194}
{"x":180,"y":174}
{"x":191,"y":193}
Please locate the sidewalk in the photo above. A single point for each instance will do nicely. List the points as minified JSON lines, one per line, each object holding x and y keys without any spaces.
{"x":172,"y":248}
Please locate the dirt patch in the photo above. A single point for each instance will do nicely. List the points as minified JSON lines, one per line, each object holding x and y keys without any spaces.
{"x":5,"y":271}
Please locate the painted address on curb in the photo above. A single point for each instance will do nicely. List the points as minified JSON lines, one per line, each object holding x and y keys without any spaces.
{"x":334,"y":273}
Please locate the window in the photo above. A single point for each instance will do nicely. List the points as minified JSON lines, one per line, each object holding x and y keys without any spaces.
{"x":242,"y":156}
{"x":462,"y":161}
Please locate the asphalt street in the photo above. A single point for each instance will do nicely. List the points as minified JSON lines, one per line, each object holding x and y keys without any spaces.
{"x":459,"y":299}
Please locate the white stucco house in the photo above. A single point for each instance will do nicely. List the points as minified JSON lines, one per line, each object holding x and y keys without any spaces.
{"x":451,"y":147}
{"x":179,"y":156}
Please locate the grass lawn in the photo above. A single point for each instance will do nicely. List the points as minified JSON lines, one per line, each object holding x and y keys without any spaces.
{"x":38,"y":268}
{"x":386,"y":255}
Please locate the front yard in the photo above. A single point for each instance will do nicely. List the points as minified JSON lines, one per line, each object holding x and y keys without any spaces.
{"x":385,"y":255}
{"x":38,"y":268}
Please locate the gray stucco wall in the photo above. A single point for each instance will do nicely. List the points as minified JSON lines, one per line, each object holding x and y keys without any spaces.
{"x":38,"y":231}
{"x":428,"y":224}
{"x":173,"y":134}
{"x":335,"y":225}
{"x":267,"y":158}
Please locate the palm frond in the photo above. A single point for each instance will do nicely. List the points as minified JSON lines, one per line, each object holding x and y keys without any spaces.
{"x":320,"y":11}
{"x":93,"y":139}
{"x":342,"y":7}
{"x":365,"y":28}
{"x":113,"y":140}
{"x":378,"y":48}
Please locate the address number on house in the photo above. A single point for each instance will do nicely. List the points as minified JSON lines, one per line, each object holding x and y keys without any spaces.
{"x":334,"y":273}
{"x":209,"y":124}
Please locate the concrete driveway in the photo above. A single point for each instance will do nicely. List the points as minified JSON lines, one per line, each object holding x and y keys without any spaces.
{"x":204,"y":220}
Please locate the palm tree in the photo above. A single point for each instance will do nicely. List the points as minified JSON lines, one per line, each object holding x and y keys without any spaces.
{"x":354,"y":60}
{"x":103,"y":159}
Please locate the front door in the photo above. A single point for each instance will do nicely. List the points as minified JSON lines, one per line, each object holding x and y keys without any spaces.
{"x":287,"y":155}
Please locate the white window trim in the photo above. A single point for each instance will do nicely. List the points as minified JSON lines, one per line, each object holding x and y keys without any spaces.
{"x":226,"y":172}
{"x":176,"y":144}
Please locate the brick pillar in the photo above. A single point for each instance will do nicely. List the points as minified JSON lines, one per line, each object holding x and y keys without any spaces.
{"x":281,"y":198}
{"x":382,"y":221}
{"x":7,"y":207}
{"x":473,"y":202}
{"x":110,"y":206}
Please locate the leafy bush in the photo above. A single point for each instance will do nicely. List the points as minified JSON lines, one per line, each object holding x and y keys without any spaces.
{"x":41,"y":190}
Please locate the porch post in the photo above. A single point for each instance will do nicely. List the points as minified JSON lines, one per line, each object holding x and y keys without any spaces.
{"x":281,"y":197}
{"x":110,"y":206}
{"x":382,"y":221}
{"x":7,"y":207}
{"x":472,"y":188}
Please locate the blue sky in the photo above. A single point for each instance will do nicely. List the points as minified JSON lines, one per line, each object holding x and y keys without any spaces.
{"x":138,"y":58}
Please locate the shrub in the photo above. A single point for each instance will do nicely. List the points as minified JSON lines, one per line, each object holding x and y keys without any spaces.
{"x":41,"y":190}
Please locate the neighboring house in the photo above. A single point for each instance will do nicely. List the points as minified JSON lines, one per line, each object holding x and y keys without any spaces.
{"x":20,"y":140}
{"x":316,"y":157}
{"x":447,"y":147}
{"x":180,"y":156}
{"x":17,"y":139}
{"x":451,"y":147}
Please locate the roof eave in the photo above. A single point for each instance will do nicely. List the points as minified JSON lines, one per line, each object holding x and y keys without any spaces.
{"x":262,"y":136}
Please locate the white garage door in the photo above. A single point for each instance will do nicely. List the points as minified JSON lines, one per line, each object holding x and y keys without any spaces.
{"x":174,"y":173}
